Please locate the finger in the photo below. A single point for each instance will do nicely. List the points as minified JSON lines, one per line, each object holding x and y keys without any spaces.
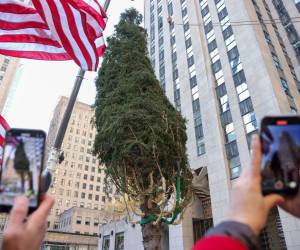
{"x":39,"y":217}
{"x":19,"y":211}
{"x":255,"y":156}
{"x":272,"y":200}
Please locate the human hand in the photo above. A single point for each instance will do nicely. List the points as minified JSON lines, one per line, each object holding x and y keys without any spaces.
{"x":29,"y":234}
{"x":248,"y":205}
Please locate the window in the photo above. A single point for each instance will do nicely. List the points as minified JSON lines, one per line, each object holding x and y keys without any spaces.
{"x":226,"y":118}
{"x":200,"y":147}
{"x":85,"y":177}
{"x":186,"y":27}
{"x":170,"y":9}
{"x":84,"y":185}
{"x":222,"y":14}
{"x":196,"y":106}
{"x":212,"y":45}
{"x":246,"y":106}
{"x":87,"y":221}
{"x":233,"y":53}
{"x":193,"y":81}
{"x":78,"y":219}
{"x":191,"y":61}
{"x":216,"y":67}
{"x":199,"y":131}
{"x":119,"y":241}
{"x":90,"y":197}
{"x":221,"y":90}
{"x":103,"y":198}
{"x":285,"y":86}
{"x":184,"y":12}
{"x":250,"y":122}
{"x":276,"y":61}
{"x":91,"y":187}
{"x":98,"y":179}
{"x":208,"y":27}
{"x":106,"y":243}
{"x":96,"y":197}
{"x":188,"y":43}
{"x":92,"y":178}
{"x":239,"y":78}
{"x":160,"y":23}
{"x":232,"y":150}
{"x":82,"y":195}
{"x":201,"y":226}
{"x":96,"y":222}
{"x":175,"y":74}
{"x":227,"y":32}
{"x":97,"y":188}
{"x":235,"y":167}
{"x":205,"y":11}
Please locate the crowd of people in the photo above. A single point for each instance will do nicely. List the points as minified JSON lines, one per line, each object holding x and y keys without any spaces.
{"x":248,"y":214}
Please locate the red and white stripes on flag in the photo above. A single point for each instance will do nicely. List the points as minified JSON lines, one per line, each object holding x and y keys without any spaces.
{"x":3,"y":128}
{"x":53,"y":30}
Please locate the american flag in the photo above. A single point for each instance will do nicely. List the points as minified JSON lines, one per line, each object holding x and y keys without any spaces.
{"x":53,"y":30}
{"x":3,"y":128}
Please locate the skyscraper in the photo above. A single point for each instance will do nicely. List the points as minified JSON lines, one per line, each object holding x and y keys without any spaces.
{"x":225,"y":65}
{"x":8,"y":67}
{"x":79,"y":180}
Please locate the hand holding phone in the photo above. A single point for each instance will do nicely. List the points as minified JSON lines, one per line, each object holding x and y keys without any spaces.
{"x":21,"y":167}
{"x":280,"y":145}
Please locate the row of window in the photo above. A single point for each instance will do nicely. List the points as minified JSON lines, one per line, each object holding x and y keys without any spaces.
{"x":225,"y":113}
{"x":83,"y":133}
{"x":3,"y":67}
{"x":119,"y":242}
{"x":245,"y":103}
{"x":198,"y":126}
{"x":176,"y":82}
{"x":276,"y":61}
{"x":82,"y":204}
{"x":87,"y":221}
{"x":286,"y":21}
{"x":283,"y":47}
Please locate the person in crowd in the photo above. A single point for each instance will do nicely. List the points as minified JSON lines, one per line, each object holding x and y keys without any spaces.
{"x":248,"y":210}
{"x":27,"y":233}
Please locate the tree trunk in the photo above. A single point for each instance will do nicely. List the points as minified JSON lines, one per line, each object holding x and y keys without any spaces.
{"x":152,"y":236}
{"x":22,"y":182}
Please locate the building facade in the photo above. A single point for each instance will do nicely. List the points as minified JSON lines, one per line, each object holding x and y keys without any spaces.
{"x":8,"y":67}
{"x":225,"y":65}
{"x":79,"y":180}
{"x":69,"y":241}
{"x":120,"y":235}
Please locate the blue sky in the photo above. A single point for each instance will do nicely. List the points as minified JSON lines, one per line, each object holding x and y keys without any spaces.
{"x":41,"y":83}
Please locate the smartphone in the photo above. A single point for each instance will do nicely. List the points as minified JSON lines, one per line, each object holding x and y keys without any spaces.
{"x":280,"y":145}
{"x":21,"y":169}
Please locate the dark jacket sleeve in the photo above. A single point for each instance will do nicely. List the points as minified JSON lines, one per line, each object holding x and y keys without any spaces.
{"x":236,"y":232}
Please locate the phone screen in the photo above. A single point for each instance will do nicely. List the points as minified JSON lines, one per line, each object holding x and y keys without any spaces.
{"x":21,"y":166}
{"x":280,"y":144}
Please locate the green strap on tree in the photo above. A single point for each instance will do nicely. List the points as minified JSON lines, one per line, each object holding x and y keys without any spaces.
{"x":153,"y":218}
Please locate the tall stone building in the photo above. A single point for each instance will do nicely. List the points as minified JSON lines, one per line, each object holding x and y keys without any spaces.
{"x":8,"y":67}
{"x":79,"y":180}
{"x":225,"y":65}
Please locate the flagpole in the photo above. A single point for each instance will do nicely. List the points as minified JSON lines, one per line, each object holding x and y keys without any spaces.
{"x":55,"y":151}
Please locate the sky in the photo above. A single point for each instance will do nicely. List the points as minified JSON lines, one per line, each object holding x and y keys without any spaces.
{"x":39,"y":84}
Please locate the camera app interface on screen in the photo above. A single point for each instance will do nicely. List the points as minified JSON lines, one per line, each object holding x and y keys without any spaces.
{"x":21,"y":166}
{"x":281,"y":156}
